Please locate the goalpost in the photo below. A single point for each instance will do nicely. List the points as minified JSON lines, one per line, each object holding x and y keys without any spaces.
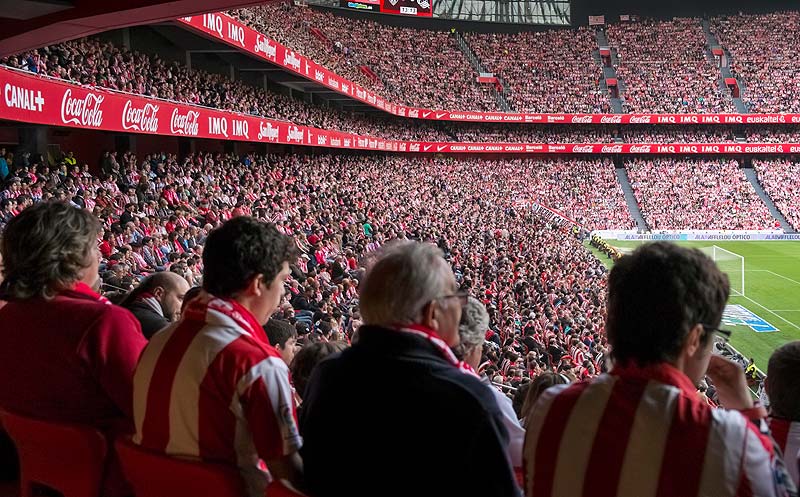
{"x":731,"y":264}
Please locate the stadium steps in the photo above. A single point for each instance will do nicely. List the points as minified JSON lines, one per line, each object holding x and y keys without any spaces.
{"x":752,"y":176}
{"x":477,"y":66}
{"x":608,"y":72}
{"x":630,"y":199}
{"x":725,"y":71}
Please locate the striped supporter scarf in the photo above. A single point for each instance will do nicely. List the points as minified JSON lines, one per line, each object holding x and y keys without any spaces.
{"x":440,"y":345}
{"x":197,"y":309}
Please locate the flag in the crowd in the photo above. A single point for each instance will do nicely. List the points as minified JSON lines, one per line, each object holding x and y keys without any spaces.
{"x":597,"y":20}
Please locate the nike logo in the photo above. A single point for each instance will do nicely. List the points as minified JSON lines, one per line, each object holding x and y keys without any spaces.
{"x":439,"y":116}
{"x":428,"y":147}
{"x":441,"y":147}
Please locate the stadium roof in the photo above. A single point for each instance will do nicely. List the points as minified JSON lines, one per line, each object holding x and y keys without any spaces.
{"x":27,"y":24}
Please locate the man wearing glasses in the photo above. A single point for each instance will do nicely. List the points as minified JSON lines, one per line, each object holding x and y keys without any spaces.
{"x":643,"y":429}
{"x":397,"y":414}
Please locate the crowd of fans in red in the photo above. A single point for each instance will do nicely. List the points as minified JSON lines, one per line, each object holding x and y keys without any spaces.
{"x":664,"y":68}
{"x":779,"y":176}
{"x":701,"y":194}
{"x":764,"y":54}
{"x":430,"y":71}
{"x":545,"y":71}
{"x":157,"y":210}
{"x":102,"y":64}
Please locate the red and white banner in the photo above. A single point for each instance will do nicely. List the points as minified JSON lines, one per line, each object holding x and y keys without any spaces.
{"x":601,"y":148}
{"x":230,"y":31}
{"x":39,"y":100}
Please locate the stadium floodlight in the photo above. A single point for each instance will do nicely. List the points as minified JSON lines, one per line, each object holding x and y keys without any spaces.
{"x":731,"y":264}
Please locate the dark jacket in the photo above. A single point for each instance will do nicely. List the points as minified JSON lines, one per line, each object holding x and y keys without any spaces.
{"x":150,"y":320}
{"x":409,"y":421}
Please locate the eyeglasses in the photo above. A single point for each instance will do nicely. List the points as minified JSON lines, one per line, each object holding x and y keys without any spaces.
{"x":462,"y":297}
{"x":725,"y":333}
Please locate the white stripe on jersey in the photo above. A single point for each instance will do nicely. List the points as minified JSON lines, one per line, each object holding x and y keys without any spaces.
{"x":276,"y":374}
{"x":723,"y":454}
{"x":755,"y":462}
{"x":533,"y":426}
{"x":143,"y":375}
{"x":184,"y":412}
{"x":577,"y":440}
{"x":644,"y":455}
{"x":792,"y":455}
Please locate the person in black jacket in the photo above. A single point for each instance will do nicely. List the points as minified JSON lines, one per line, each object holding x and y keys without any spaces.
{"x":418,"y":421}
{"x":156,"y":302}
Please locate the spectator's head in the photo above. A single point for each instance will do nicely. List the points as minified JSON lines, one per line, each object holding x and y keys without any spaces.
{"x":663,"y":303}
{"x":168,"y":288}
{"x":782,"y":386}
{"x":48,"y":248}
{"x":537,"y":387}
{"x":247,"y":260}
{"x":410,"y":283}
{"x":472,"y":332}
{"x":190,"y":295}
{"x":283,"y":336}
{"x":307,"y":358}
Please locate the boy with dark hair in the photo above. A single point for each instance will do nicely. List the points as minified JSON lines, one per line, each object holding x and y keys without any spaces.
{"x":642,"y":429}
{"x":283,"y":336}
{"x":211,"y":387}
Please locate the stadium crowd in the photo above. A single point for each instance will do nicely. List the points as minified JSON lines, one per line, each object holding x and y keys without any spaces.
{"x":546,"y":71}
{"x":663,"y":67}
{"x":540,"y":292}
{"x":763,"y":54}
{"x":157,"y":210}
{"x":430,"y":71}
{"x":779,"y":176}
{"x":96,"y":63}
{"x":697,"y":194}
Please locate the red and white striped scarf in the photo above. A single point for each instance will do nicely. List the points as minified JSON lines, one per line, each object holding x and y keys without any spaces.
{"x":440,"y":345}
{"x":197,"y":309}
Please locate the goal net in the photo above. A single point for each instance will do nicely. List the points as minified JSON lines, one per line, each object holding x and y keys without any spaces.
{"x":731,"y":264}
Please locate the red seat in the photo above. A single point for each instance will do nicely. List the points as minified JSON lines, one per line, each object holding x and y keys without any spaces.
{"x":158,"y":475}
{"x":65,"y":457}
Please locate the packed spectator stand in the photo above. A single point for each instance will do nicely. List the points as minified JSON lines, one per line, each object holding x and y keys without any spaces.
{"x":696,"y":194}
{"x":779,"y":177}
{"x":102,"y":64}
{"x":664,"y":69}
{"x":430,"y":71}
{"x":546,"y":71}
{"x":514,"y":230}
{"x":763,"y":51}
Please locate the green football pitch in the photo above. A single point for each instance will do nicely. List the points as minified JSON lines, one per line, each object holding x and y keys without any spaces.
{"x":771,"y":293}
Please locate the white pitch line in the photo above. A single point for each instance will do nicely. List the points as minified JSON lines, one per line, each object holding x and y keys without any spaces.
{"x":773,"y":273}
{"x":771,"y":312}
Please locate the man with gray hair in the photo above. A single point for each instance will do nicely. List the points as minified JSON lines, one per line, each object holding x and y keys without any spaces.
{"x":418,"y":421}
{"x":472,"y":333}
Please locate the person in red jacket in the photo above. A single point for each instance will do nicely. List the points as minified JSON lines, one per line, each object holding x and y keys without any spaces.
{"x":67,"y":354}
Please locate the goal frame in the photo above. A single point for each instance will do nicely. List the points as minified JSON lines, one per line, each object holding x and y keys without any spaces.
{"x":716,"y":249}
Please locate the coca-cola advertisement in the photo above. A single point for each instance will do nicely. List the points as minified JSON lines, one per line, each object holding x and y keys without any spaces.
{"x":39,"y":100}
